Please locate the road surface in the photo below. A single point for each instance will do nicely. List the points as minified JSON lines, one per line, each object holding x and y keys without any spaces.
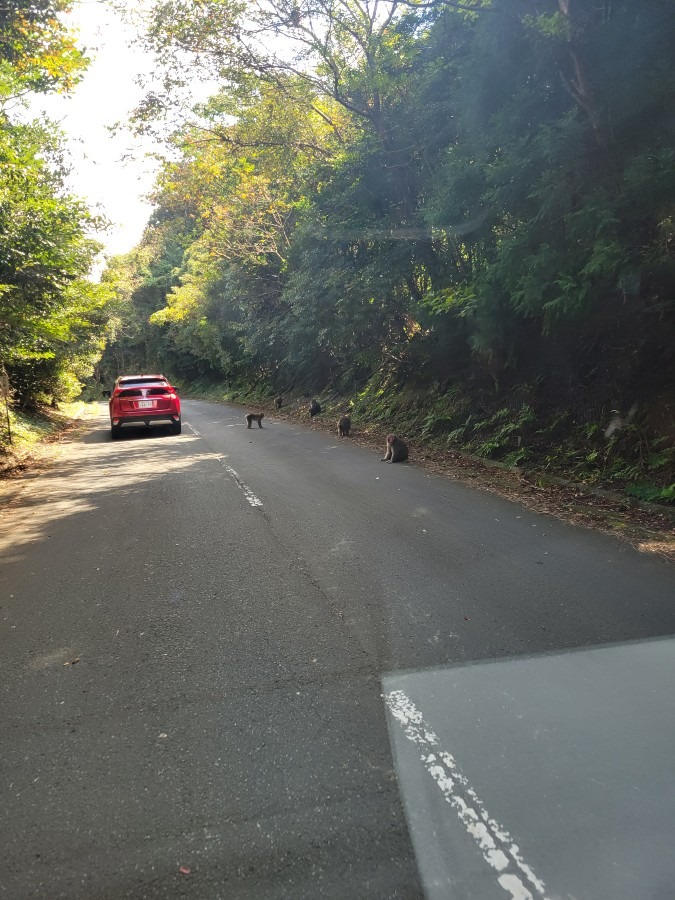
{"x":199,"y":637}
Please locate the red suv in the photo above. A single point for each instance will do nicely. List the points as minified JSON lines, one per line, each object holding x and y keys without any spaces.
{"x":143,"y":398}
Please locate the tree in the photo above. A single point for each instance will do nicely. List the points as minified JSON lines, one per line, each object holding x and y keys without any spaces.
{"x":341,"y":49}
{"x":51,"y":317}
{"x":394,"y":187}
{"x":37,"y":51}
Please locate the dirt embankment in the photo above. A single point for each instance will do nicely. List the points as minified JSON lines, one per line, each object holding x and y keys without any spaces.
{"x":34,"y":437}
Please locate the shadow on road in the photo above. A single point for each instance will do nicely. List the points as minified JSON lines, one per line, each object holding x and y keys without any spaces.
{"x":94,"y":467}
{"x":129,"y":433}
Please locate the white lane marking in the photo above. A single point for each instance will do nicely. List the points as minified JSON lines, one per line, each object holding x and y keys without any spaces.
{"x":494,"y":842}
{"x":243,"y":487}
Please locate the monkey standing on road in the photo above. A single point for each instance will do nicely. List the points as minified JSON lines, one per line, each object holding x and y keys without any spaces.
{"x":344,"y":424}
{"x":254,"y":417}
{"x":314,"y":408}
{"x":397,"y":451}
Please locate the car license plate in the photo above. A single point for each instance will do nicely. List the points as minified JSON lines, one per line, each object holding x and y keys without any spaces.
{"x":145,"y":404}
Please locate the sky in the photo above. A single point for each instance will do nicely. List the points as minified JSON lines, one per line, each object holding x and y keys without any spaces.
{"x":112,"y":173}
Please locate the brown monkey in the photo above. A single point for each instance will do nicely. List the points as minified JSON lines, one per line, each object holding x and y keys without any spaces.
{"x":396,"y":449}
{"x":344,"y":424}
{"x":278,"y":402}
{"x":314,"y":408}
{"x":254,"y":417}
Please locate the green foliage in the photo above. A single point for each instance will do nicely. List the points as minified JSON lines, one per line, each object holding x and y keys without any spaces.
{"x":52,"y":318}
{"x":458,"y":165}
{"x":652,"y":493}
{"x":494,"y":435}
{"x":37,"y":52}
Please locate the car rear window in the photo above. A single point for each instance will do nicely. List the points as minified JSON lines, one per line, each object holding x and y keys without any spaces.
{"x":126,"y":382}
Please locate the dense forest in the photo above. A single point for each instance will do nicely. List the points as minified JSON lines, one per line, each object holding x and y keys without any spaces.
{"x":455,"y":216}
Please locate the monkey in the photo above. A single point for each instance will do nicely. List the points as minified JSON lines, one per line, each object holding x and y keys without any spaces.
{"x":278,"y":402}
{"x":295,"y":17}
{"x":344,"y":424}
{"x":254,"y":417}
{"x":618,"y":421}
{"x":396,"y":450}
{"x":314,"y":408}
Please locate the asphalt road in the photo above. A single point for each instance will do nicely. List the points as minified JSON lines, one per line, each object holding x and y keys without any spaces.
{"x":194,"y":636}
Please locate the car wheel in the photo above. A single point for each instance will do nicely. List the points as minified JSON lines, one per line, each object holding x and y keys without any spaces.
{"x":115,"y":431}
{"x":176,"y":427}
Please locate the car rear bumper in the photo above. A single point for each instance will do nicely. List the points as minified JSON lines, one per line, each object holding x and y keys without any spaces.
{"x":144,"y":418}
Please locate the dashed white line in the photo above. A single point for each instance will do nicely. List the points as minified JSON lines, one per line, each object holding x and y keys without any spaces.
{"x":243,"y":487}
{"x":495,"y":844}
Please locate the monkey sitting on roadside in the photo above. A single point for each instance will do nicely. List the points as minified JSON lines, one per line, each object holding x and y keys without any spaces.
{"x":314,"y":408}
{"x":397,"y":451}
{"x":254,"y":417}
{"x":278,"y":402}
{"x":344,"y":424}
